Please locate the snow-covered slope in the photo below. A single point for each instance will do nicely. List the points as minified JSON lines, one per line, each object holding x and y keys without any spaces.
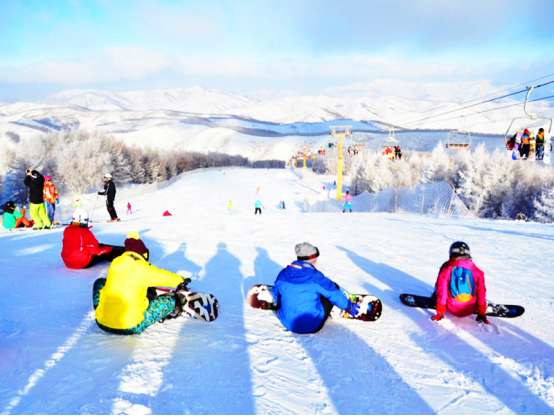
{"x":55,"y":360}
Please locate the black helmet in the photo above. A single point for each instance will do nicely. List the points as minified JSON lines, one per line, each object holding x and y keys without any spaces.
{"x":9,"y":207}
{"x":459,"y":248}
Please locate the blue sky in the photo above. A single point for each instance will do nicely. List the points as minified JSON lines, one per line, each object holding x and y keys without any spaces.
{"x":262,"y":45}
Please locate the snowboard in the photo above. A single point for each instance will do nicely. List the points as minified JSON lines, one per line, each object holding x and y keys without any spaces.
{"x":53,"y":227}
{"x":546,"y":151}
{"x":371,"y":308}
{"x":516,"y":146}
{"x":493,"y":309}
{"x":201,"y":306}
{"x":532,"y":149}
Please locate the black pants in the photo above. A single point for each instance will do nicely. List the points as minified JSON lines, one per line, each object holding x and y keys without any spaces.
{"x":111,"y":209}
{"x":116,"y":252}
{"x":258,"y":210}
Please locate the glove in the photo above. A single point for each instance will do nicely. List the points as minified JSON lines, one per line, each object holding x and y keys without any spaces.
{"x":352,"y":308}
{"x":99,"y":192}
{"x":46,"y":204}
{"x":57,"y":201}
{"x":183,"y":286}
{"x":441,"y":309}
{"x":481,"y":314}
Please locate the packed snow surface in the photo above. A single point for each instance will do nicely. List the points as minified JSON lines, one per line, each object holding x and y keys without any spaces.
{"x":55,"y":360}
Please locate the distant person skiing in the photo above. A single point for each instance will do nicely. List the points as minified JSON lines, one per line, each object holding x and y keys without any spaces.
{"x":282,"y":205}
{"x":121,"y":302}
{"x":129,"y":210}
{"x":347,"y":202}
{"x":12,"y":218}
{"x":304,"y":296}
{"x":230,"y":206}
{"x":109,"y":192}
{"x":80,"y":248}
{"x":460,"y":287}
{"x":259,"y":207}
{"x":51,"y":198}
{"x":35,"y":181}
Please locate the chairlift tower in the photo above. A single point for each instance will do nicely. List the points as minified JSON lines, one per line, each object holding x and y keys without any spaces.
{"x":340,"y":132}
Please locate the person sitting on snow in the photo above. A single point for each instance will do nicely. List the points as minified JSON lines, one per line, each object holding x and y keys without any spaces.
{"x":460,"y":287}
{"x":121,"y":302}
{"x":80,"y":248}
{"x":304,"y":296}
{"x":12,"y":218}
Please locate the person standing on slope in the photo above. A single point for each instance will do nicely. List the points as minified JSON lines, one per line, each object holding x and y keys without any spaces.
{"x":80,"y":249}
{"x":109,"y":192}
{"x":120,"y":300}
{"x":259,"y":207}
{"x":460,"y":287}
{"x":51,"y":198}
{"x":35,"y":181}
{"x":304,"y":296}
{"x":347,"y":202}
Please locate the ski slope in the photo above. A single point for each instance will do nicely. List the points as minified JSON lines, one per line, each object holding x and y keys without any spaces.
{"x":55,"y":360}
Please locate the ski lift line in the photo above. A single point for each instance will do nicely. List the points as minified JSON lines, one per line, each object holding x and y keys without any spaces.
{"x":494,"y":93}
{"x":482,"y":102}
{"x":493,"y":109}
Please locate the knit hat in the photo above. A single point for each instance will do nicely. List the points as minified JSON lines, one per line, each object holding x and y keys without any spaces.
{"x":306,"y":252}
{"x":47,"y":177}
{"x":135,"y":244}
{"x":526,"y":131}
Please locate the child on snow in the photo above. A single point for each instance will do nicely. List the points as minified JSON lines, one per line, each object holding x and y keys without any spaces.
{"x":347,"y":202}
{"x":51,"y":198}
{"x":12,"y":218}
{"x":304,"y":296}
{"x":259,"y":207}
{"x":120,"y":300}
{"x":80,"y":248}
{"x":460,"y":287}
{"x":129,"y":210}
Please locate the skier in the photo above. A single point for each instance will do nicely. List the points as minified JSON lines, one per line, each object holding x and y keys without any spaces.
{"x":347,"y":202}
{"x":12,"y":218}
{"x":230,"y":206}
{"x":129,"y":210}
{"x":304,"y":296}
{"x":460,"y":287}
{"x":80,"y":248}
{"x":121,"y":302}
{"x":35,"y":181}
{"x":109,"y":191}
{"x":259,"y":207}
{"x":51,"y":198}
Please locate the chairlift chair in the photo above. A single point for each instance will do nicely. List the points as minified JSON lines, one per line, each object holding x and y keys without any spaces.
{"x":459,"y":139}
{"x":391,"y":141}
{"x":530,"y":117}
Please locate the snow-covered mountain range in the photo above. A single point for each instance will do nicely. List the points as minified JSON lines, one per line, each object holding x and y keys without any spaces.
{"x":266,"y":125}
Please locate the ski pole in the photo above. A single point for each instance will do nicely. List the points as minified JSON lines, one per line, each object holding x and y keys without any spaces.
{"x":91,"y":215}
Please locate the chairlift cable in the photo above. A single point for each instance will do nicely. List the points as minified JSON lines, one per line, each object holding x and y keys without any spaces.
{"x":479,"y":103}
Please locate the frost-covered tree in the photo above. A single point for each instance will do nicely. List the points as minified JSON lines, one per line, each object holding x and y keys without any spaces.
{"x":544,"y":206}
{"x":439,"y":164}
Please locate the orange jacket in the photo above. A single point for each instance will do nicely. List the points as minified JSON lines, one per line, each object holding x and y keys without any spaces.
{"x":50,"y":193}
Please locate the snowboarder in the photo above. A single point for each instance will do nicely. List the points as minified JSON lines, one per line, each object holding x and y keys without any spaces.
{"x":460,"y":287}
{"x":540,"y":144}
{"x":347,"y":202}
{"x":35,"y":181}
{"x":109,"y":191}
{"x":12,"y":218}
{"x":129,"y":210}
{"x":121,"y":302}
{"x":51,"y":198}
{"x":259,"y":207}
{"x":304,"y":296}
{"x":80,"y":249}
{"x":230,"y":206}
{"x":525,"y":144}
{"x":282,"y":205}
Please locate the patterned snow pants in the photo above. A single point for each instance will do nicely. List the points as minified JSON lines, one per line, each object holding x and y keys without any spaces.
{"x":157,"y":310}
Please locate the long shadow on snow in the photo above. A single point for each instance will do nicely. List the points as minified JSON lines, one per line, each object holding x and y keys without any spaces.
{"x":209,"y":372}
{"x":359,"y":380}
{"x":177,"y":261}
{"x":265,"y":271}
{"x":42,"y":341}
{"x":458,"y":354}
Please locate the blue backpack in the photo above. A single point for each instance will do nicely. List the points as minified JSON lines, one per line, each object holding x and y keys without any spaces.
{"x":462,"y":284}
